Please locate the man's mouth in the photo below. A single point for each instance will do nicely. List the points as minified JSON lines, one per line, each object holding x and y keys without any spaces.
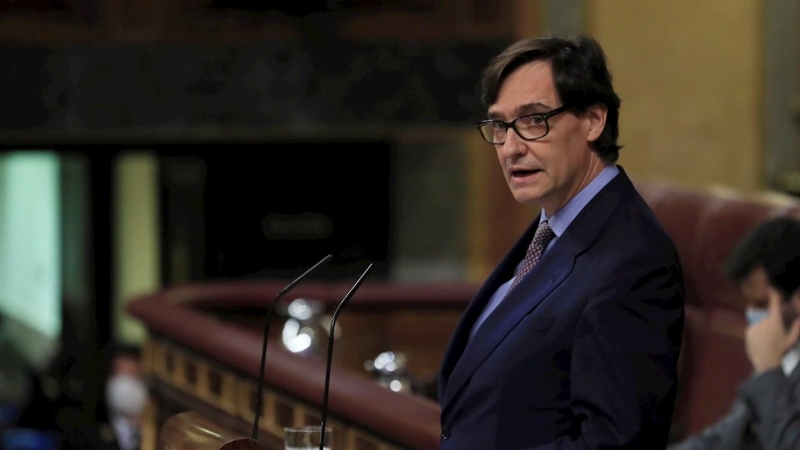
{"x":524,"y":173}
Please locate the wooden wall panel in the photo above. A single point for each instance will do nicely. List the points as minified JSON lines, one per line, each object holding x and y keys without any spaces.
{"x":690,"y":78}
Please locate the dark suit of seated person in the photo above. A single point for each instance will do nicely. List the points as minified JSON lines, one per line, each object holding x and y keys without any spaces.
{"x":766,"y":414}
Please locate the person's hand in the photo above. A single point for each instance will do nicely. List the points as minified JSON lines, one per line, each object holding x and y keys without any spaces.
{"x":767,"y":341}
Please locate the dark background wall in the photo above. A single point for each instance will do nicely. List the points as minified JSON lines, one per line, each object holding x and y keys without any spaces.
{"x":166,"y":91}
{"x":281,"y":131}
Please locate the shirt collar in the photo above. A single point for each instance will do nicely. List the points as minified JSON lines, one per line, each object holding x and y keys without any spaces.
{"x":564,"y":216}
{"x":790,"y":359}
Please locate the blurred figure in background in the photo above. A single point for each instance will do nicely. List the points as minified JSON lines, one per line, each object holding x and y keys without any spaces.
{"x":119,"y":422}
{"x":766,"y":267}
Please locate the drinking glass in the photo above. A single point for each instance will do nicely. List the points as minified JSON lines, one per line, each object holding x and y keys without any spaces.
{"x":306,"y":438}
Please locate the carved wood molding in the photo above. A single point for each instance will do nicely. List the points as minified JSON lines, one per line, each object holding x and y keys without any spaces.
{"x":225,"y":393}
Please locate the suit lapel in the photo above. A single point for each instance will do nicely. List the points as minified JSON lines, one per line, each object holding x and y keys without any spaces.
{"x":551,"y":270}
{"x":502,"y":273}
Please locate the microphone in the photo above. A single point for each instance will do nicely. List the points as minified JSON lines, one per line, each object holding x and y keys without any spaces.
{"x":288,"y":288}
{"x":330,"y":353}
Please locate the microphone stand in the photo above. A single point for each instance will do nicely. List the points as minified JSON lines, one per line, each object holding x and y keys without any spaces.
{"x":330,"y":352}
{"x":288,"y":288}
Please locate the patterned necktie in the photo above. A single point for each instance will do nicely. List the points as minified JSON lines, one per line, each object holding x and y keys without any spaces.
{"x":544,"y":234}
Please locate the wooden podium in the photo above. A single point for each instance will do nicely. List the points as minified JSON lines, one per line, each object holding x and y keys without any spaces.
{"x":202,"y":361}
{"x":191,"y":431}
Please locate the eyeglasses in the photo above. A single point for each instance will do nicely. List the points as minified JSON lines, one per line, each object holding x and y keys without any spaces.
{"x":529,"y":128}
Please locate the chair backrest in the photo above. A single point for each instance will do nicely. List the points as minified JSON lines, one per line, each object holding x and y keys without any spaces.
{"x":706,"y":224}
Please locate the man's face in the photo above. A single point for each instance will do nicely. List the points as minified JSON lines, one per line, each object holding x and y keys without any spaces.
{"x":549,"y":171}
{"x":126,"y":365}
{"x":755,"y":288}
{"x":126,"y":391}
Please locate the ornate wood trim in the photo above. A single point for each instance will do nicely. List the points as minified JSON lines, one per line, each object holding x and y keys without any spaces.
{"x":236,"y":399}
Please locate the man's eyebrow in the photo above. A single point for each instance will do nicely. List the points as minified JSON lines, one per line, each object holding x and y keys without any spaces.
{"x":521,"y":110}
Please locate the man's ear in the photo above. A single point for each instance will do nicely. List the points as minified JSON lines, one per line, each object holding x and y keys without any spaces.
{"x":596,"y":116}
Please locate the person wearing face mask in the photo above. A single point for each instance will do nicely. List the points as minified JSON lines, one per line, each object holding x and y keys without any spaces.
{"x":765,"y":265}
{"x":126,"y":395}
{"x":124,"y":401}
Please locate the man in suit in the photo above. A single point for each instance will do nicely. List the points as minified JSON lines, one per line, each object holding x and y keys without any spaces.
{"x":581,"y":353}
{"x":766,"y":415}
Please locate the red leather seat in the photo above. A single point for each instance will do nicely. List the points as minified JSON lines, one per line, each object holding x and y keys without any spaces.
{"x":706,"y":224}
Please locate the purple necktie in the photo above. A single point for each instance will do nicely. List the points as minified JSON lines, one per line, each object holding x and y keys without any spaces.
{"x":544,"y":234}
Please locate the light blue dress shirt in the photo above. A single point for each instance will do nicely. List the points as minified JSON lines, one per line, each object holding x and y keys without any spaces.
{"x":558,"y":223}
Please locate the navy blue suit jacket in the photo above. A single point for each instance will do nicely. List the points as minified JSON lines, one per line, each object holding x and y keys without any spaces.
{"x":583,"y":353}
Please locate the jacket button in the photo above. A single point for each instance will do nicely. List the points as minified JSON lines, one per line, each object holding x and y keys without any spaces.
{"x":445,"y":433}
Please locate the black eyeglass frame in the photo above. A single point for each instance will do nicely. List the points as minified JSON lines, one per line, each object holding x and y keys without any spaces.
{"x":513,"y":124}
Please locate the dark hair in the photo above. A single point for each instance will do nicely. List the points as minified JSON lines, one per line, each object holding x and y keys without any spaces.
{"x":773,"y":245}
{"x":121,"y":350}
{"x":580,"y":76}
{"x":124,"y":349}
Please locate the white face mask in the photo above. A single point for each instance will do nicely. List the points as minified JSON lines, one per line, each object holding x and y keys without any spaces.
{"x":755,"y":315}
{"x":126,"y":395}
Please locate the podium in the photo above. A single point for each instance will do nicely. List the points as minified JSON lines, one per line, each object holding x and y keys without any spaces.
{"x":191,"y":431}
{"x":203,"y":352}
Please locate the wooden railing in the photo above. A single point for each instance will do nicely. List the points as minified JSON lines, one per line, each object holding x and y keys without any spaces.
{"x":198,"y":361}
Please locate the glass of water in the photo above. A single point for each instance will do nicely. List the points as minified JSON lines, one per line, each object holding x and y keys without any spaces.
{"x":306,"y":438}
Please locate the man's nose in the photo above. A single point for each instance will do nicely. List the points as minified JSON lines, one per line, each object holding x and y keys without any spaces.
{"x":514,"y":144}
